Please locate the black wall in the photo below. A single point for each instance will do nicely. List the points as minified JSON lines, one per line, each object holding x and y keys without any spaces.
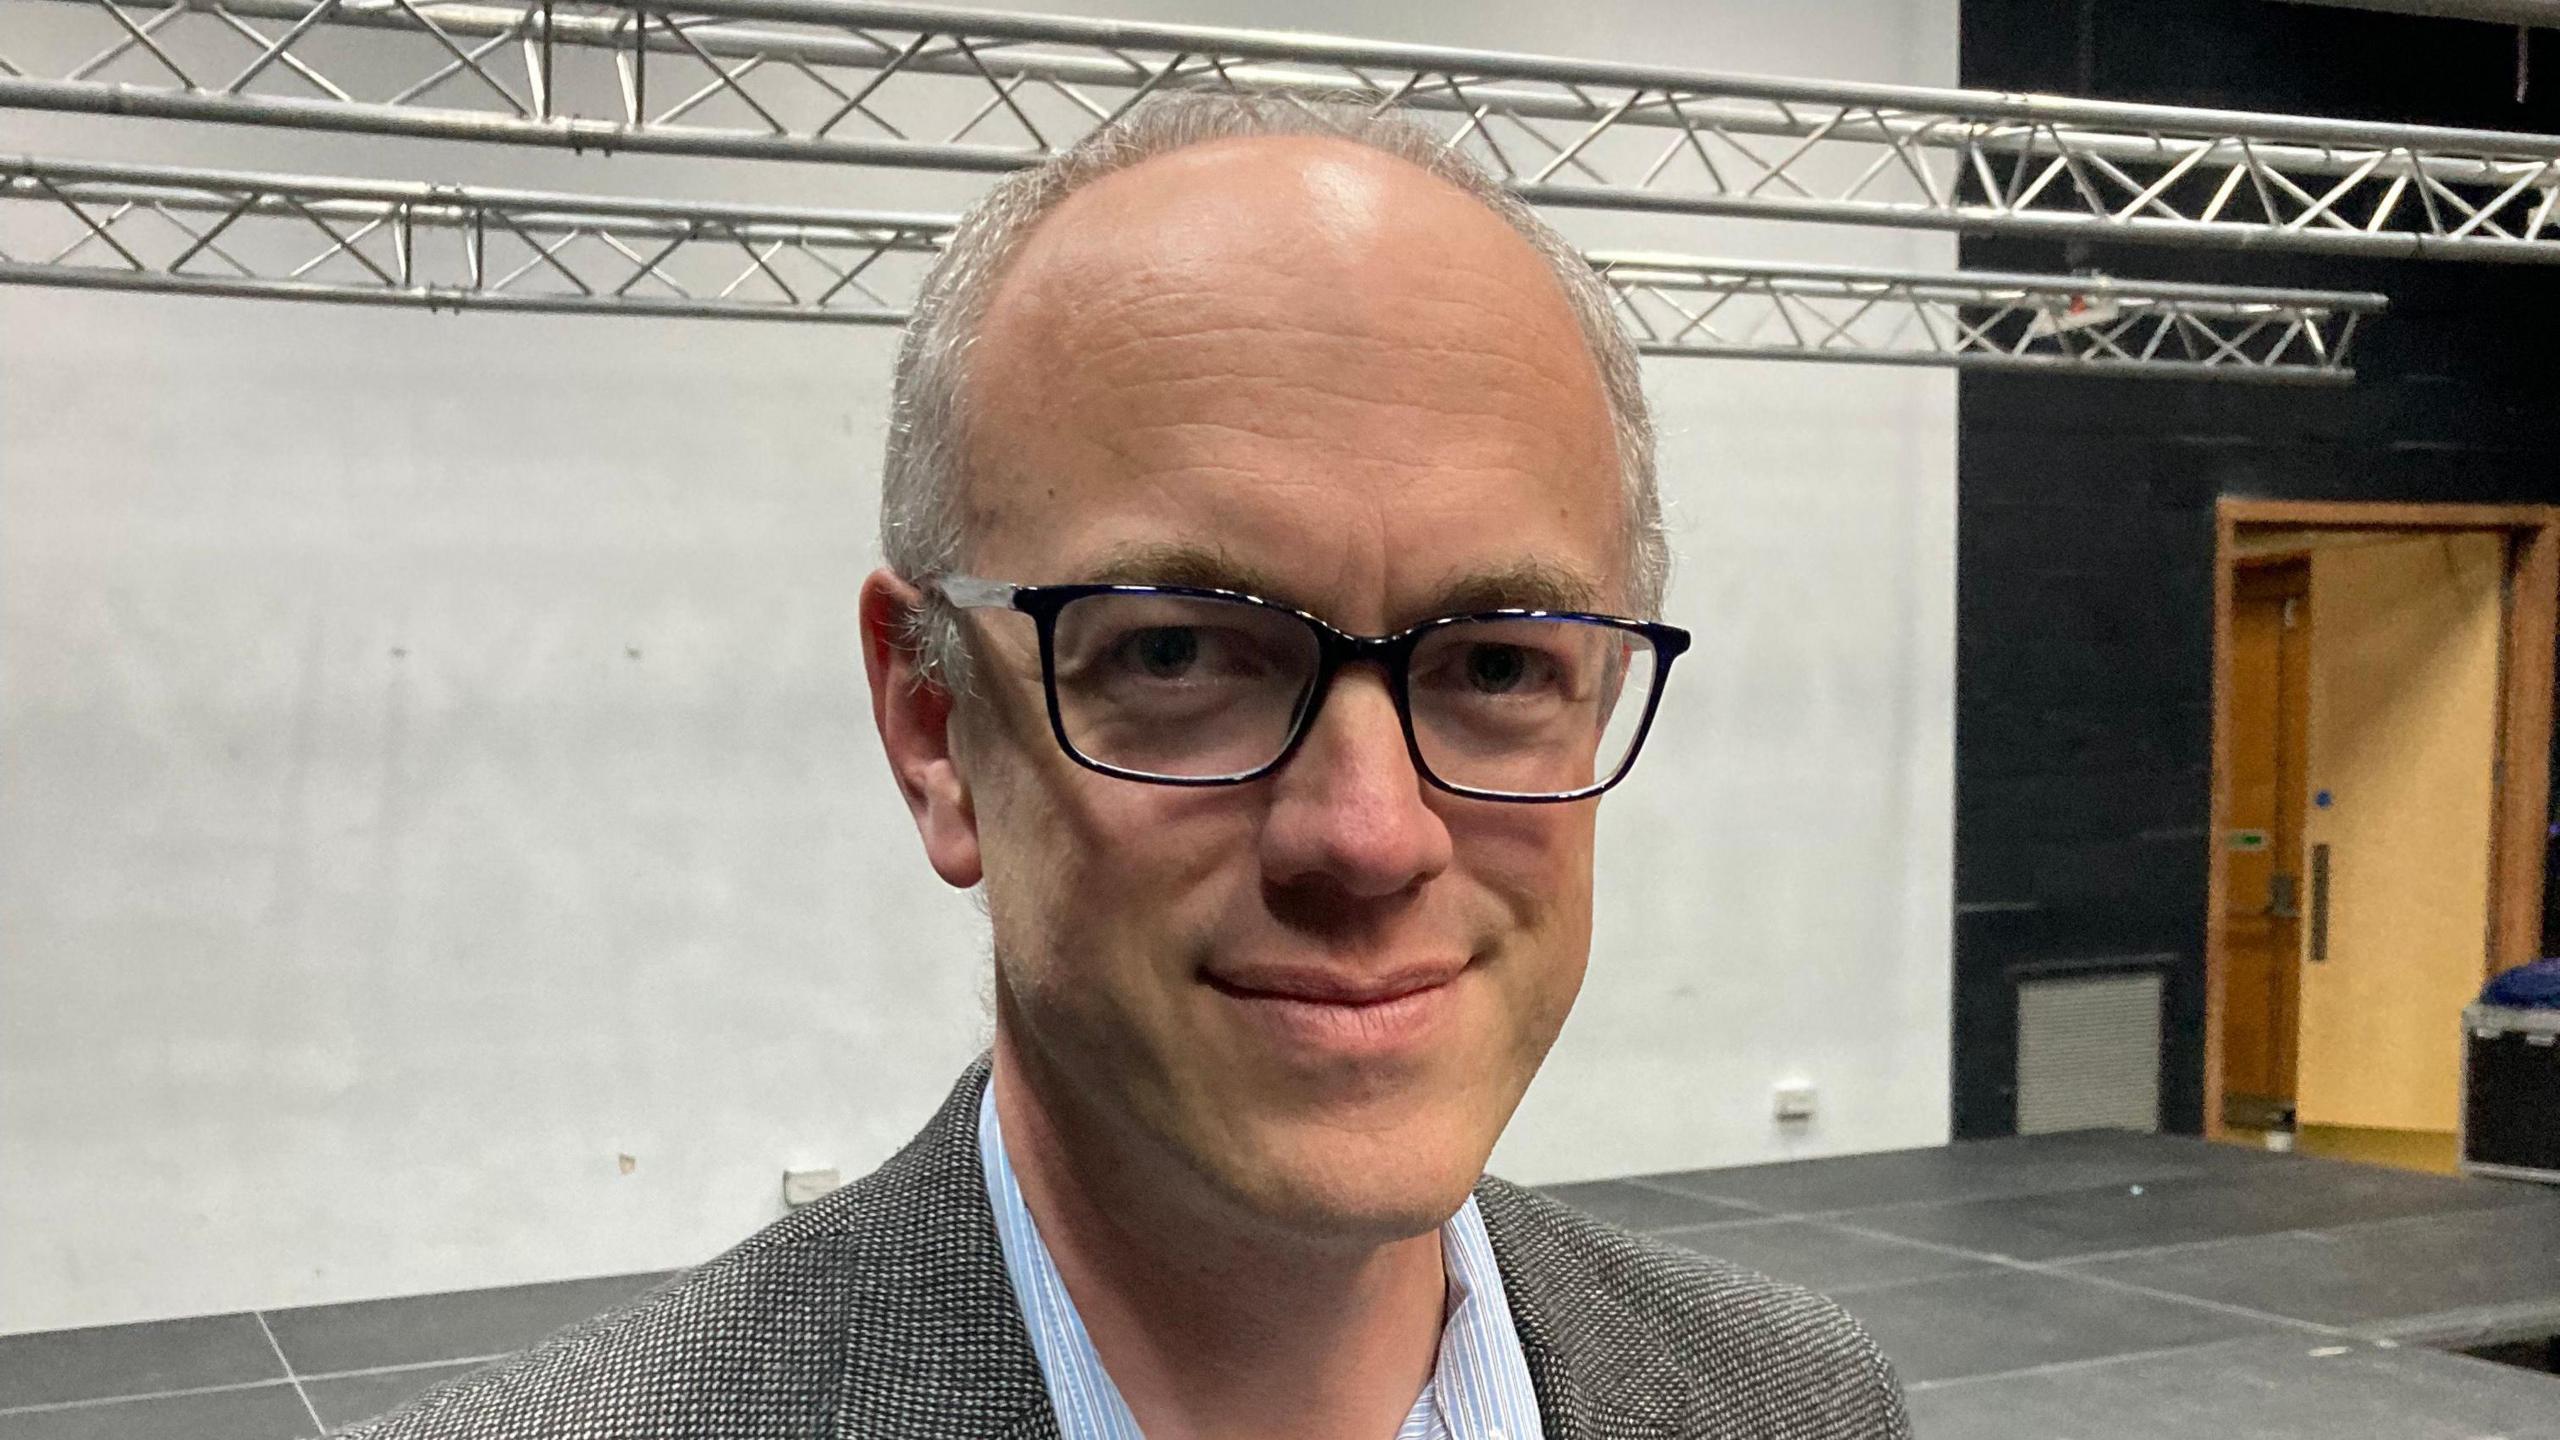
{"x":2085,"y":505}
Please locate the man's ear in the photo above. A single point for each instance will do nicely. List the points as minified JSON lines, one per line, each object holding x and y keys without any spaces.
{"x":914,"y":716}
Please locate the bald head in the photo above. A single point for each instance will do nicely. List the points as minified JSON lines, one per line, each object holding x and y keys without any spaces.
{"x":1364,"y":227}
{"x":1265,"y":315}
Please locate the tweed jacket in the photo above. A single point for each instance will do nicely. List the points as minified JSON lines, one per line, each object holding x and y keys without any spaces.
{"x":883,"y":1312}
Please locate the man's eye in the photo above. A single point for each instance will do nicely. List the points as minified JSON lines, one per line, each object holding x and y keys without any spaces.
{"x":1496,"y":669}
{"x":1166,"y":652}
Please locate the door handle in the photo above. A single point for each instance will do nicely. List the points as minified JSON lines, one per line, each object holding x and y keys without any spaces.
{"x":2319,"y":902}
{"x":2284,"y":898}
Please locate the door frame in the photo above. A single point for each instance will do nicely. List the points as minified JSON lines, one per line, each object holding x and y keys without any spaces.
{"x":2519,"y":825}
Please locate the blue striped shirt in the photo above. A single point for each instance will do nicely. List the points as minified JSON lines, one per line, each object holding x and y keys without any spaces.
{"x":1479,"y":1391}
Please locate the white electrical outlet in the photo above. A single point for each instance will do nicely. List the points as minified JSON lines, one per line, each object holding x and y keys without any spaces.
{"x":799,"y":1187}
{"x":1795,"y":1100}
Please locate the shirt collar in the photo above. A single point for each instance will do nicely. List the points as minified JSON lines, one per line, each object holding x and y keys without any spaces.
{"x":1479,"y":1390}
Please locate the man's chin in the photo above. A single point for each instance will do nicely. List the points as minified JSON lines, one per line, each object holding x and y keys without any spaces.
{"x":1360,"y":1190}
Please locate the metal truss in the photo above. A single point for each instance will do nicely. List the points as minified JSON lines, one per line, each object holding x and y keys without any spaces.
{"x":450,"y":247}
{"x":280,"y":237}
{"x":859,"y":82}
{"x":1985,"y":320}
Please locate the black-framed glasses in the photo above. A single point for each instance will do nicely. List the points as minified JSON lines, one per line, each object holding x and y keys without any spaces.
{"x":1181,"y":685}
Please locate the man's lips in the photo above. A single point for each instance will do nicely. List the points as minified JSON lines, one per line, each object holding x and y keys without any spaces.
{"x":1343,"y":1012}
{"x":1321,"y":985}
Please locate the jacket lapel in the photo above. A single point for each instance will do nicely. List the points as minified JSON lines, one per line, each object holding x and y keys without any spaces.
{"x":933,"y":1341}
{"x":1599,"y":1374}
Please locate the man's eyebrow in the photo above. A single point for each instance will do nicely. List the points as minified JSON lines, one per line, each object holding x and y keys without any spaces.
{"x":1175,"y":564}
{"x":1523,"y":585}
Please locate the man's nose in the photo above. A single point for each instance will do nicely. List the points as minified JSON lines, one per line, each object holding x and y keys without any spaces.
{"x":1348,"y":808}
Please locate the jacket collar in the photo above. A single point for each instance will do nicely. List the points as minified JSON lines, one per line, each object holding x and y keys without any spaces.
{"x":1600,"y":1369}
{"x":933,"y":1339}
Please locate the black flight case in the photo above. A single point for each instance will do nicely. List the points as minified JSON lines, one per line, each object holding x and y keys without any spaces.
{"x":2511,"y":1093}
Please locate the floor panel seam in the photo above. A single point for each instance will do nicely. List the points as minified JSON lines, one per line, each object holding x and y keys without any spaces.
{"x":2096,"y":1256}
{"x":2064,"y":1367}
{"x":2242,"y":1312}
{"x":2057,"y":1271}
{"x":1860,"y":1289}
{"x":184,"y":1391}
{"x":1691,"y":1227}
{"x":178,"y":1393}
{"x":408,"y":1365}
{"x":1983,"y":1197}
{"x":1759,"y":1212}
{"x":299,"y":1393}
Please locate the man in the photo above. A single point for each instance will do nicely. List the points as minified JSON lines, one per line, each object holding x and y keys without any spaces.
{"x":1284,"y":918}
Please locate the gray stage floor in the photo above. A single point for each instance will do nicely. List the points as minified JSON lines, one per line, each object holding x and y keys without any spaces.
{"x":2070,"y":1287}
{"x":2104,"y":1286}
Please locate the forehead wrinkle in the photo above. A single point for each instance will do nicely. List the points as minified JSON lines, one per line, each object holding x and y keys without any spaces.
{"x":1202,"y":453}
{"x":1446,"y":403}
{"x":1244,"y":406}
{"x":1124,"y":322}
{"x":1325,"y":365}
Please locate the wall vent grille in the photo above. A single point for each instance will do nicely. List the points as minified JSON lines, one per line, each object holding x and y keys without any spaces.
{"x":2089,"y":1052}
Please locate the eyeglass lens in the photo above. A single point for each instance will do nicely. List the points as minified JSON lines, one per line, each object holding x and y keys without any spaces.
{"x":1191,"y":687}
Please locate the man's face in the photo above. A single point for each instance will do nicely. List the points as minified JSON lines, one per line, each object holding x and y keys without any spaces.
{"x":1308,"y":371}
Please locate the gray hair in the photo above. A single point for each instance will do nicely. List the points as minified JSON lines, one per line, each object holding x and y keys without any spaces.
{"x":922,"y":510}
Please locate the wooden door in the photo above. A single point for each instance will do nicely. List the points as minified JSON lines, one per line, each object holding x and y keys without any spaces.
{"x":2270,"y":649}
{"x":2403,"y":735}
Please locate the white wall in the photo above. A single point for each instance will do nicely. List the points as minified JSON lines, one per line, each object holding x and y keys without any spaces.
{"x":434,"y":761}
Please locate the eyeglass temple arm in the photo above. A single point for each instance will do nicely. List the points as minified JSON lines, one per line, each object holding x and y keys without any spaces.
{"x":970,"y":593}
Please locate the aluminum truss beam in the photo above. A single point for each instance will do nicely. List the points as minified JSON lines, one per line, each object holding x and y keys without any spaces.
{"x":286,"y":237}
{"x":216,"y":232}
{"x":867,"y":83}
{"x":1986,"y":320}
